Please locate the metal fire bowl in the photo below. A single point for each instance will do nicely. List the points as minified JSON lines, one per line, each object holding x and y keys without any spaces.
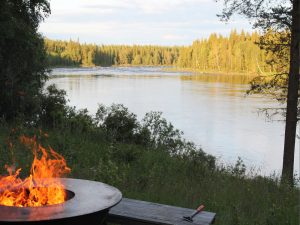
{"x":89,"y":203}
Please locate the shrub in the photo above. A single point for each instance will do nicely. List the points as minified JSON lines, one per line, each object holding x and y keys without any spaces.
{"x":120,"y":124}
{"x":53,"y":107}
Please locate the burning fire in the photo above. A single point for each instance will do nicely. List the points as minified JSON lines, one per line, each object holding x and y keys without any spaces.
{"x":42,"y":186}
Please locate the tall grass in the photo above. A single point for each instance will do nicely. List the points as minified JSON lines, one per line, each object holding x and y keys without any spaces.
{"x":153,"y":174}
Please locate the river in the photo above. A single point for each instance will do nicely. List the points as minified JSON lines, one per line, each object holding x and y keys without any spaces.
{"x":212,"y":110}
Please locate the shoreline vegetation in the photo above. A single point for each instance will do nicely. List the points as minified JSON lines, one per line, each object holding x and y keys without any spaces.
{"x":235,"y":54}
{"x":150,"y":160}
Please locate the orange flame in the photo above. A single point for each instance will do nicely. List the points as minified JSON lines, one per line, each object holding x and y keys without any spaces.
{"x":42,"y":186}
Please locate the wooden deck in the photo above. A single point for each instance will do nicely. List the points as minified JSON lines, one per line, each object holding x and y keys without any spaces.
{"x":135,"y":212}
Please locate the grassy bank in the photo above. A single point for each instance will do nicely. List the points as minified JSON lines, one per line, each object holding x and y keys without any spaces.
{"x":154,"y":173}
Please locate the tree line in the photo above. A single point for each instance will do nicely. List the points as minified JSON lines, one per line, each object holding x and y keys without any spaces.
{"x":236,"y":53}
{"x":72,"y":53}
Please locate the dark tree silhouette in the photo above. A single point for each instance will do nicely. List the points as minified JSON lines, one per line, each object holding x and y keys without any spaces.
{"x":22,"y":57}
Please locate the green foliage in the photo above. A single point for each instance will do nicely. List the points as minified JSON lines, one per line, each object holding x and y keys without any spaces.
{"x":155,"y":175}
{"x":71,"y":53}
{"x":236,"y":53}
{"x":239,"y":169}
{"x":22,"y":57}
{"x":118,"y":122}
{"x":153,"y":131}
{"x":55,"y":113}
{"x":163,"y":134}
{"x":53,"y":106}
{"x":276,"y":45}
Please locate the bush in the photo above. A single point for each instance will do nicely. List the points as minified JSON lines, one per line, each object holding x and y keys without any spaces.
{"x":119,"y":124}
{"x":154,"y":133}
{"x":162,"y":133}
{"x":53,"y":107}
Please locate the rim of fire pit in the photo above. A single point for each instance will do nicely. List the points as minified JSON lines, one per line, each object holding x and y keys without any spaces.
{"x":90,"y":197}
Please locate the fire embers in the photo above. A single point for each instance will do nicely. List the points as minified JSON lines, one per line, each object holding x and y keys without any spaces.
{"x":42,"y":187}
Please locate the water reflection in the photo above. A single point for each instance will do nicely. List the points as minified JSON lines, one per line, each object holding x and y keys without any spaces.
{"x":212,"y":110}
{"x":218,"y":78}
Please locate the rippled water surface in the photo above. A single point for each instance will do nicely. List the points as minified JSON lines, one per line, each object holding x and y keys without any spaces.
{"x":212,"y":110}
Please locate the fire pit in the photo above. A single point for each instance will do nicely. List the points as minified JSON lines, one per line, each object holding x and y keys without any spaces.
{"x":43,"y":197}
{"x":87,"y":202}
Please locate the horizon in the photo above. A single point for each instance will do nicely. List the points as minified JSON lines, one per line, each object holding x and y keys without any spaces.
{"x":135,"y":22}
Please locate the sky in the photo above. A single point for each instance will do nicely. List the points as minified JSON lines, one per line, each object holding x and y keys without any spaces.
{"x":156,"y":22}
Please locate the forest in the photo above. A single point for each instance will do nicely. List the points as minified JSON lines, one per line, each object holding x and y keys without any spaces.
{"x":236,"y":53}
{"x":148,"y":159}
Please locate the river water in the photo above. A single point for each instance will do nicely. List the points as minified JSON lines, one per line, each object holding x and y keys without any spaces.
{"x":211,"y":110}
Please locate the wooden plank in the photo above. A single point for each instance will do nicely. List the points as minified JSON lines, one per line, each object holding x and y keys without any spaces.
{"x":136,"y":212}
